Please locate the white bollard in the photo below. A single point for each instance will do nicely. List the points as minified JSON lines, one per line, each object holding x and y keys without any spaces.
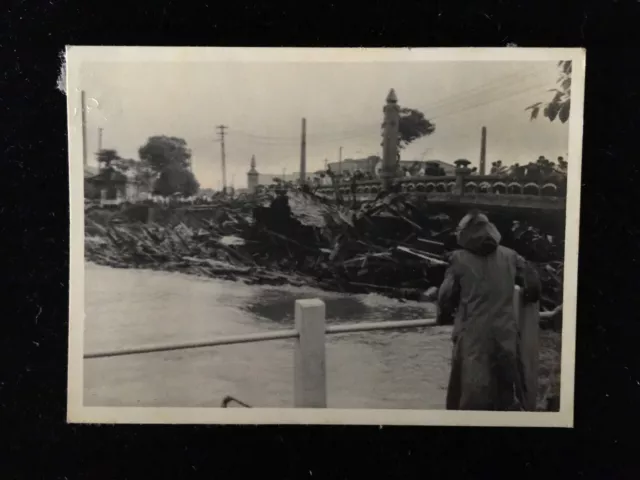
{"x":528,"y":320}
{"x":310,"y":375}
{"x":530,"y":348}
{"x":517,"y":304}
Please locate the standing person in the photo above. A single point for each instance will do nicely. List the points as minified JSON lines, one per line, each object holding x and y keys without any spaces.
{"x":487,"y":372}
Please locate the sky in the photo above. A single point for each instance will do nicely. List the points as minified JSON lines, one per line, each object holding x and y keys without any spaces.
{"x":263,"y":105}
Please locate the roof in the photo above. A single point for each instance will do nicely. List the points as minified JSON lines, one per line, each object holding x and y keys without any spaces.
{"x":90,"y":171}
{"x":439,"y":162}
{"x":108,"y":175}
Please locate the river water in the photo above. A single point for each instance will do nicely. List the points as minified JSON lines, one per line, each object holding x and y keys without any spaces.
{"x":127,"y":308}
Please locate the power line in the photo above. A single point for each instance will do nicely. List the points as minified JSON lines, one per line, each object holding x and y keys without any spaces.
{"x":372,"y":132}
{"x":503,"y":85}
{"x":501,"y":82}
{"x":267,"y":142}
{"x":470,"y":107}
{"x":445,"y":105}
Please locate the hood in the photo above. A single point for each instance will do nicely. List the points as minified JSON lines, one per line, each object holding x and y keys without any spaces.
{"x":478,"y":235}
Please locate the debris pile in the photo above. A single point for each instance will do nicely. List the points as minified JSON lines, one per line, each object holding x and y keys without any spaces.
{"x":389,"y":246}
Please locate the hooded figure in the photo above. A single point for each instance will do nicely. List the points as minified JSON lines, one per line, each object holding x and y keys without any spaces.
{"x":479,"y":286}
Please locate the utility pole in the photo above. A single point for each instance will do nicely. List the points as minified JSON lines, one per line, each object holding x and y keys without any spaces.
{"x":303,"y":153}
{"x":340,"y":161}
{"x":84,"y":129}
{"x":483,"y":151}
{"x":99,"y":138}
{"x":221,"y":132}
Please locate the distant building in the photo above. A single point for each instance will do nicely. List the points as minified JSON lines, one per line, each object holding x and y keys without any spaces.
{"x":255,"y":178}
{"x":352,"y":164}
{"x":112,"y":186}
{"x":419,"y":166}
{"x":449,"y":168}
{"x":373,"y":165}
{"x":267,"y":178}
{"x":207,"y":192}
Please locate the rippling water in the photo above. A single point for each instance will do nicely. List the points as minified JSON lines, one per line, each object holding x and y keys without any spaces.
{"x":125,"y":308}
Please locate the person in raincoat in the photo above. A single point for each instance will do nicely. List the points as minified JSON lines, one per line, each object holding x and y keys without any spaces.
{"x":478,"y":293}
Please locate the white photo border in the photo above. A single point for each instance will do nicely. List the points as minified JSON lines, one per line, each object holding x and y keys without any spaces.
{"x":78,"y":413}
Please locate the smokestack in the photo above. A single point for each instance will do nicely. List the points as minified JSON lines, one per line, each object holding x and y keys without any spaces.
{"x":303,"y":153}
{"x":483,"y":151}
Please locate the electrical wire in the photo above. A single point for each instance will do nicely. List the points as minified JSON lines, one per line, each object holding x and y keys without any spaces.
{"x":369,"y":131}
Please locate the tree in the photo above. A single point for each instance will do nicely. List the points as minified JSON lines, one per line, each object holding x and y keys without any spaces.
{"x":107,"y":157}
{"x":560,"y":104}
{"x":563,"y":165}
{"x":176,"y":180}
{"x":167,"y":160}
{"x":161,"y":152}
{"x":413,"y":125}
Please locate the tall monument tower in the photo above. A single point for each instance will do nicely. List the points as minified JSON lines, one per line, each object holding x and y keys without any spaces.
{"x":390,"y":139}
{"x":252,"y":176}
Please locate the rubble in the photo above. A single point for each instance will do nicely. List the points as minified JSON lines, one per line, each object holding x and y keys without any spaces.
{"x":389,"y":246}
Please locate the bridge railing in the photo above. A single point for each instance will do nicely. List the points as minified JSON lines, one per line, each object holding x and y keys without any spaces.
{"x":310,"y":372}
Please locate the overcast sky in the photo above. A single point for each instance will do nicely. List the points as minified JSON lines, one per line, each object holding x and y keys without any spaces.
{"x":263,"y":104}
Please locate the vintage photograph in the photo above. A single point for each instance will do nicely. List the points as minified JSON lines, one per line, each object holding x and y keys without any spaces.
{"x":323,"y":236}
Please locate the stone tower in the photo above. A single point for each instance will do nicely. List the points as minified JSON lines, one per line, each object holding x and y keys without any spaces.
{"x":390,"y":137}
{"x":252,"y":176}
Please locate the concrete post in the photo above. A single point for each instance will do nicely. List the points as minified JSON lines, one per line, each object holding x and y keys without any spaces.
{"x":528,"y":321}
{"x":462,"y":170}
{"x":310,"y":376}
{"x":459,"y":188}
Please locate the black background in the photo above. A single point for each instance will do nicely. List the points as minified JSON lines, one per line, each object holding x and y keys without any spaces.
{"x":35,"y":440}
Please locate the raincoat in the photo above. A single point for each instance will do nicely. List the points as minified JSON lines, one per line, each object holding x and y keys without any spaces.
{"x":478,"y":292}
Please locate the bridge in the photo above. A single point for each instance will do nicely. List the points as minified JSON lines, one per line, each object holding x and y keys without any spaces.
{"x":468,"y":191}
